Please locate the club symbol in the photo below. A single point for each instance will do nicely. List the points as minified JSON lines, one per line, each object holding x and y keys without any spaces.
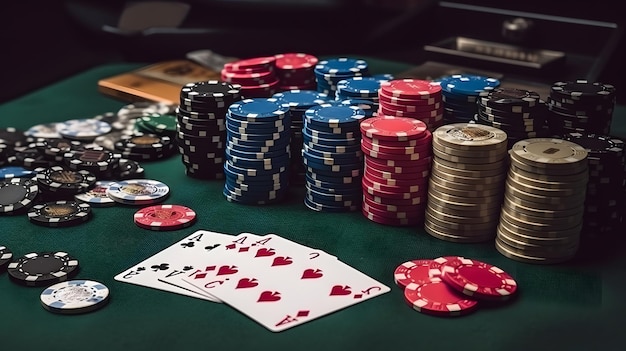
{"x":188,"y":244}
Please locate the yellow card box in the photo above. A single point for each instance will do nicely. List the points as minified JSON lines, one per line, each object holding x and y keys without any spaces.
{"x":159,"y":82}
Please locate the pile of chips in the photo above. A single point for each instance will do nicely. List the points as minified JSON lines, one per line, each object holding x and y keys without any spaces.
{"x":466,"y":183}
{"x":412,"y":98}
{"x":332,"y":157}
{"x":460,"y":92}
{"x":452,"y":286}
{"x":580,"y":106}
{"x":541,"y":218}
{"x":397,"y":163}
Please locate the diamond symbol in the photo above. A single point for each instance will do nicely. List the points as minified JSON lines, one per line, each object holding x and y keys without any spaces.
{"x":303,"y":313}
{"x":200,"y":276}
{"x":244,"y":249}
{"x":358,"y":296}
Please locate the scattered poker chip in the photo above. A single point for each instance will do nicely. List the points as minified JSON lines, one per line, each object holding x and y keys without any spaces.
{"x":435,"y":297}
{"x":138,"y":191}
{"x":129,"y":169}
{"x":75,"y":297}
{"x":59,"y":213}
{"x":478,"y":279}
{"x":165,"y":217}
{"x":46,"y":131}
{"x":393,"y":128}
{"x":13,"y":136}
{"x":17,"y":194}
{"x":6,"y":256}
{"x":60,"y":179}
{"x":83,"y":129}
{"x":414,"y":271}
{"x":43,"y":268}
{"x":97,"y":195}
{"x":15,"y":172}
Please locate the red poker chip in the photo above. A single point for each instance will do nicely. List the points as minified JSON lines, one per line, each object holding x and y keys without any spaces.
{"x":388,"y":201}
{"x":266,"y":62}
{"x":383,"y":97}
{"x":229,"y":68}
{"x":411,"y":108}
{"x":421,"y":175}
{"x":391,"y":221}
{"x":415,"y":213}
{"x":164,"y":217}
{"x":414,"y":271}
{"x":391,"y":111}
{"x":426,"y":139}
{"x":421,"y":182}
{"x":401,"y":150}
{"x":478,"y":279}
{"x":415,"y":188}
{"x":249,"y":78}
{"x":435,"y":297}
{"x":411,"y":88}
{"x":414,"y":164}
{"x":295,"y":61}
{"x":392,"y":207}
{"x":436,"y":263}
{"x":393,"y":128}
{"x":384,"y":155}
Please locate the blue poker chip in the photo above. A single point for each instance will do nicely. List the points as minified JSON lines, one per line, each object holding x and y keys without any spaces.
{"x":467,"y":84}
{"x":315,"y":206}
{"x":256,"y":190}
{"x":301,"y":99}
{"x":257,"y":153}
{"x":334,"y":115}
{"x":15,"y":172}
{"x":286,"y":123}
{"x":309,"y":138}
{"x":384,"y":76}
{"x":351,"y":155}
{"x":369,"y":107}
{"x":239,"y":177}
{"x":341,"y":65}
{"x":138,"y":191}
{"x":319,"y":165}
{"x":353,"y":178}
{"x":329,"y":135}
{"x":257,"y":143}
{"x":346,"y":130}
{"x":334,"y":182}
{"x":257,"y":109}
{"x":252,"y":195}
{"x":340,"y":149}
{"x":254,"y":172}
{"x":231,"y":197}
{"x":255,"y":129}
{"x":359,"y":87}
{"x":336,"y":190}
{"x":316,"y":157}
{"x":265,"y":164}
{"x":284,"y":134}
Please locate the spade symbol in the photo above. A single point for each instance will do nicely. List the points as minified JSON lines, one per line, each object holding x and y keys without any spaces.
{"x":160,"y":267}
{"x":211,"y":247}
{"x":141,"y":269}
{"x":187,"y":268}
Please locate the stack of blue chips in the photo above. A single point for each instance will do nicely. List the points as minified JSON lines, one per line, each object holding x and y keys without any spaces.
{"x":460,"y":93}
{"x":299,"y":101}
{"x":257,"y":158}
{"x":361,"y":92}
{"x":333,"y":158}
{"x":329,"y":72}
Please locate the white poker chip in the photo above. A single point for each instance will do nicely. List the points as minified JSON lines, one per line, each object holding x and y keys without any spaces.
{"x":138,"y":191}
{"x":97,"y":196}
{"x":74,"y":297}
{"x":82,"y":129}
{"x":46,"y":131}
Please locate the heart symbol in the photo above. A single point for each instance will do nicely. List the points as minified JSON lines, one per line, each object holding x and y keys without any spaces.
{"x":225,"y":270}
{"x":247,"y":283}
{"x":262,"y":252}
{"x":269,"y":296}
{"x":340,"y":290}
{"x":312,"y":273}
{"x":282,"y":261}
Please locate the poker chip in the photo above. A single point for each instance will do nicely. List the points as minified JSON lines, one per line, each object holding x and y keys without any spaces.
{"x":478,"y":279}
{"x":83,"y":129}
{"x":17,"y":194}
{"x":75,"y":297}
{"x":393,"y":128}
{"x":97,"y":195}
{"x":468,"y":84}
{"x":59,"y":213}
{"x":410,"y":88}
{"x":165,"y":217}
{"x":208,"y":89}
{"x":138,"y":191}
{"x":15,"y":172}
{"x":13,"y":137}
{"x":6,"y":256}
{"x":551,"y":151}
{"x":414,"y":271}
{"x":43,"y":268}
{"x":62,"y":180}
{"x":435,"y":297}
{"x":46,"y":131}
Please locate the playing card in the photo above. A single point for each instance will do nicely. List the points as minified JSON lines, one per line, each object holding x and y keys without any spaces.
{"x":175,"y":260}
{"x":288,"y":287}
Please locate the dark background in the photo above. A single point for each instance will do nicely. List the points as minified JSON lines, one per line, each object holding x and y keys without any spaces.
{"x":45,"y":41}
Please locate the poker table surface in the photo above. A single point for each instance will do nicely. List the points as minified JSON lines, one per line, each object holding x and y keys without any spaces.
{"x":577,"y":305}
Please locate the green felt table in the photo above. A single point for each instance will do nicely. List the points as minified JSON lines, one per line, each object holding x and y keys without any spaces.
{"x":578,"y":305}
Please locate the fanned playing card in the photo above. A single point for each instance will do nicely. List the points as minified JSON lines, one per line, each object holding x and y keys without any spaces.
{"x":174,"y":260}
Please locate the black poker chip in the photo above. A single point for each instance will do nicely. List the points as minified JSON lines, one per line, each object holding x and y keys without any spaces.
{"x":129,"y":169}
{"x":29,"y":157}
{"x":6,"y":256}
{"x":63,"y":180}
{"x":17,"y":194}
{"x":54,"y":149}
{"x":14,"y":137}
{"x":60,"y":213}
{"x":43,"y":268}
{"x":210,"y":90}
{"x":96,"y":160}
